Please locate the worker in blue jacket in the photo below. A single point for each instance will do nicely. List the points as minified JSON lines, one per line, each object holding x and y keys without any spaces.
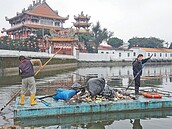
{"x":137,"y":70}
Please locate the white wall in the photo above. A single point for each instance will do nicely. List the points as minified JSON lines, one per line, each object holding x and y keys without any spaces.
{"x":107,"y":55}
{"x":11,"y":53}
{"x":93,"y":57}
{"x":122,"y":55}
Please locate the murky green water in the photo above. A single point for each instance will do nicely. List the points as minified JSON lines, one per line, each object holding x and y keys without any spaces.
{"x":156,"y":77}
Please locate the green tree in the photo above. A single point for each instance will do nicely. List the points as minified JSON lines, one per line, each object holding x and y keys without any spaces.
{"x":170,"y":46}
{"x":151,"y":42}
{"x":115,"y":42}
{"x":100,"y":35}
{"x":85,"y":38}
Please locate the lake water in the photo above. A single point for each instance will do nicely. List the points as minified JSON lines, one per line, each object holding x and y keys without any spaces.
{"x":153,"y":77}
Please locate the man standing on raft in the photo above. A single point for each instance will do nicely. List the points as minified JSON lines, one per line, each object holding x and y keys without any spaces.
{"x":137,"y":71}
{"x":26,"y":71}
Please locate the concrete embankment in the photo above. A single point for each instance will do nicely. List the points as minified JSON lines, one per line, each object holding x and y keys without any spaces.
{"x":119,"y":63}
{"x":9,"y":58}
{"x":9,"y":61}
{"x":14,"y":70}
{"x":104,"y":64}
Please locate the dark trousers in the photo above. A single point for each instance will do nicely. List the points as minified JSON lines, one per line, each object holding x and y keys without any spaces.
{"x":137,"y":84}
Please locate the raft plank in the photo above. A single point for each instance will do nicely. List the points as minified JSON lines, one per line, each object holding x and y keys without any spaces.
{"x":62,"y":108}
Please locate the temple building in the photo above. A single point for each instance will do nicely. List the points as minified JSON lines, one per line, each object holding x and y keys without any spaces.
{"x":82,"y":23}
{"x":37,"y":17}
{"x":65,"y":39}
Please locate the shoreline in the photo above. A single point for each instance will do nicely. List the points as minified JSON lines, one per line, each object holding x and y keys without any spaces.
{"x":14,"y":70}
{"x":118,"y":63}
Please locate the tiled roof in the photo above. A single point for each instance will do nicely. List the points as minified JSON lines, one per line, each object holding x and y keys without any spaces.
{"x":33,"y":26}
{"x":14,"y":28}
{"x":77,"y":24}
{"x":42,"y":10}
{"x":62,"y":39}
{"x":41,"y":27}
{"x":156,"y":50}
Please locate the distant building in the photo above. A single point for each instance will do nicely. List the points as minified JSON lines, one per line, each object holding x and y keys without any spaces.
{"x":159,"y":54}
{"x":82,"y":23}
{"x":65,"y":39}
{"x":38,"y":16}
{"x":104,"y":45}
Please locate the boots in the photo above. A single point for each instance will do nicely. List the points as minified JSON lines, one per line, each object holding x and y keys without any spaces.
{"x":22,"y":99}
{"x":32,"y":99}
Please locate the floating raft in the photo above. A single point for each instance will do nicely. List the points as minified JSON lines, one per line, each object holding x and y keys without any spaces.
{"x":51,"y":107}
{"x":91,"y":118}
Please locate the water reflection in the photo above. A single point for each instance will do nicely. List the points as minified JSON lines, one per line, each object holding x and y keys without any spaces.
{"x":94,"y":121}
{"x":122,"y":76}
{"x":136,"y":124}
{"x":47,"y":82}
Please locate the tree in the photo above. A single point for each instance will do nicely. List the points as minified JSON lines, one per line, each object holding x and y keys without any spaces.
{"x":170,"y":46}
{"x":85,"y":38}
{"x":115,"y":42}
{"x":100,"y":35}
{"x":151,"y":42}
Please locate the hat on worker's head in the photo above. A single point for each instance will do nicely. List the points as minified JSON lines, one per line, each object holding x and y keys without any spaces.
{"x":140,"y":55}
{"x":22,"y":58}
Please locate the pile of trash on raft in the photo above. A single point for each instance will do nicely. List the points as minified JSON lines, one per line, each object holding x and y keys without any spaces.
{"x":96,"y":90}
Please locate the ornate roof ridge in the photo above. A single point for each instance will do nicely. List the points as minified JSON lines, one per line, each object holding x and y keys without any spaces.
{"x":37,"y":10}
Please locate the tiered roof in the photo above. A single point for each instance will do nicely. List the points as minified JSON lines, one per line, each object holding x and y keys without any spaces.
{"x":42,"y":10}
{"x":82,"y":20}
{"x":34,"y":26}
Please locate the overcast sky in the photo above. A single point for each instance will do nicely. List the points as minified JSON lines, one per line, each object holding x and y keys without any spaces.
{"x":126,"y":18}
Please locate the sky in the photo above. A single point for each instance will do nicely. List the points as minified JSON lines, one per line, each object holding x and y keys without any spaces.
{"x":126,"y":18}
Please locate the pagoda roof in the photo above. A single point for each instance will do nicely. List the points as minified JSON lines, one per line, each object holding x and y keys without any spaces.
{"x":77,"y":24}
{"x":33,"y":26}
{"x":54,"y":39}
{"x":42,"y":10}
{"x":82,"y":16}
{"x":82,"y":31}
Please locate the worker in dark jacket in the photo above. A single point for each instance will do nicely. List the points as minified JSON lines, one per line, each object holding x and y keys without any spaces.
{"x":137,"y":71}
{"x":26,"y":71}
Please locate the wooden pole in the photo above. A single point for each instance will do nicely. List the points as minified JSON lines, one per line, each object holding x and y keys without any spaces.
{"x":138,"y":73}
{"x":48,"y":61}
{"x":18,"y":92}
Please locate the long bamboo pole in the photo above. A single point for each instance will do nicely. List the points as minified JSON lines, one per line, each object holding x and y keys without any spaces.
{"x":18,"y":92}
{"x":48,"y":61}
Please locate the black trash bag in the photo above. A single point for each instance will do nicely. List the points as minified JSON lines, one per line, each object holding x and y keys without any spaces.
{"x":95,"y":86}
{"x":108,"y":92}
